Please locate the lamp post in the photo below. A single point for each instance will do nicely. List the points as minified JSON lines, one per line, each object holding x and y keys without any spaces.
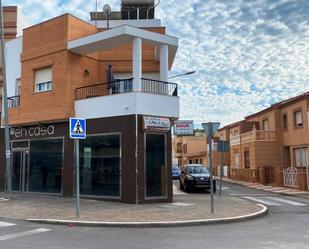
{"x":178,"y":75}
{"x":5,"y":109}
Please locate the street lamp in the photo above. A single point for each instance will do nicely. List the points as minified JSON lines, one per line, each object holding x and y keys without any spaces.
{"x":187,"y":73}
{"x":5,"y":109}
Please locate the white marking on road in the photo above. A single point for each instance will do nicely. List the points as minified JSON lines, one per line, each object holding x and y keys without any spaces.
{"x":3,"y":199}
{"x":5,"y":224}
{"x":176,"y":191}
{"x":293,"y":203}
{"x":23,"y":234}
{"x":250,"y":194}
{"x":270,"y":203}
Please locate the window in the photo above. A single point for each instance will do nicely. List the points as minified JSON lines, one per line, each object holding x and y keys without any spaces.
{"x":100,"y":172}
{"x":301,"y":157}
{"x":196,"y":161}
{"x":155,"y":165}
{"x":17,"y":87}
{"x":247,"y":159}
{"x":265,"y":125}
{"x":236,"y":160}
{"x":298,"y":118}
{"x":236,"y":133}
{"x":184,"y":149}
{"x":285,"y":121}
{"x":190,"y":161}
{"x":201,"y":161}
{"x":43,"y":79}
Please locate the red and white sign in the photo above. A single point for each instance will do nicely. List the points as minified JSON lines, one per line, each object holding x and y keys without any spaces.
{"x":184,"y":127}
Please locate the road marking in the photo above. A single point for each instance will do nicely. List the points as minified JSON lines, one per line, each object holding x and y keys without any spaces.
{"x":293,"y":203}
{"x":270,"y":203}
{"x":250,"y":194}
{"x":176,"y":191}
{"x":23,"y":234}
{"x":3,"y":199}
{"x":5,"y":224}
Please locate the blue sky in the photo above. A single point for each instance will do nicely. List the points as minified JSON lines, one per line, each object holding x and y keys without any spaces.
{"x":247,"y":54}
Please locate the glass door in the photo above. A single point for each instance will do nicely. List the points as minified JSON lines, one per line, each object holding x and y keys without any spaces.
{"x":20,"y":170}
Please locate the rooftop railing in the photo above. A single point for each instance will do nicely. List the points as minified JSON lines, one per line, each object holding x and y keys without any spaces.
{"x":124,"y":86}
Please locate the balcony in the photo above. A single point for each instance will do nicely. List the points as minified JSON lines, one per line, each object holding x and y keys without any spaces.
{"x":13,"y":102}
{"x":125,"y":86}
{"x":254,"y":136}
{"x":154,"y":97}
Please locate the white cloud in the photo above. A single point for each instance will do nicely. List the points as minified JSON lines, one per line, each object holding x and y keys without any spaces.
{"x":247,"y":54}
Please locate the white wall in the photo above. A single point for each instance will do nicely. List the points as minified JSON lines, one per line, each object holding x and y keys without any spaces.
{"x":127,"y":104}
{"x":153,"y":76}
{"x":13,"y":49}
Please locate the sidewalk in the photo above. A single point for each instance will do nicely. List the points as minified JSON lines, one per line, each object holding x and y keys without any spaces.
{"x":187,"y":209}
{"x":277,"y":190}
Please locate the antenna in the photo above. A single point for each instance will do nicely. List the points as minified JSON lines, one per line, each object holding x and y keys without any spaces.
{"x":107,"y":11}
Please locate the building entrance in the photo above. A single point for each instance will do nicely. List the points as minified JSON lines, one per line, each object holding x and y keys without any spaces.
{"x":20,"y":170}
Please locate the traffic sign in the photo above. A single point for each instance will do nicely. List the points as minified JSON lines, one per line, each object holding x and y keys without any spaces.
{"x":211,"y":127}
{"x":78,"y":128}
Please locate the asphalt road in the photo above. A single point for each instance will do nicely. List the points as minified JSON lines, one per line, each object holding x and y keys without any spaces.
{"x":286,"y":226}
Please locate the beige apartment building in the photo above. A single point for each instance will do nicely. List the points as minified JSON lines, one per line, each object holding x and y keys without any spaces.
{"x":194,"y":149}
{"x":271,"y":146}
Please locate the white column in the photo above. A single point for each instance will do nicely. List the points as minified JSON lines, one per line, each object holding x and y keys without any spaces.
{"x":163,"y":62}
{"x":137,"y":64}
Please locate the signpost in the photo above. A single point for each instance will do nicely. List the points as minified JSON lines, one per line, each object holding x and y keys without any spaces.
{"x":184,"y":127}
{"x":223,"y":146}
{"x":210,"y":129}
{"x":77,"y":131}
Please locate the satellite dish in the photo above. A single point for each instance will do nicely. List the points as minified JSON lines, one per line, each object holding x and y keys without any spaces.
{"x":107,"y":9}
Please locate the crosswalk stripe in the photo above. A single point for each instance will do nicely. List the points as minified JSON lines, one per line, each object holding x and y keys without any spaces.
{"x":261,"y":201}
{"x":6,"y":224}
{"x":23,"y":234}
{"x":294,"y":203}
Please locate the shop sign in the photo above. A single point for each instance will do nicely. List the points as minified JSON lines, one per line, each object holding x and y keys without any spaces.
{"x":184,"y":127}
{"x":33,"y":131}
{"x":156,"y":123}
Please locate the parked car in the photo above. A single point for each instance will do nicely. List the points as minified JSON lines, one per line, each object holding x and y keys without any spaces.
{"x":195,"y":176}
{"x":175,"y":172}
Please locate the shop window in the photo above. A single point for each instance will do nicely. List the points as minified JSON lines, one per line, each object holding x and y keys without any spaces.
{"x":43,"y":79}
{"x":155,"y":165}
{"x":247,"y":159}
{"x":237,"y":160}
{"x":45,"y":168}
{"x":285,"y":121}
{"x":298,"y":118}
{"x":100,"y":165}
{"x":301,"y":157}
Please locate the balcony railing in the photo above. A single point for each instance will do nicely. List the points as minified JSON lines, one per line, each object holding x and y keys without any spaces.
{"x":124,"y":86}
{"x":159,"y":87}
{"x":13,"y":102}
{"x":105,"y":89}
{"x":253,"y":136}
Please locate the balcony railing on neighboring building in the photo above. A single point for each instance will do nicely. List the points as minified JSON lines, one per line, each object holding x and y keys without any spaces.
{"x":124,"y":86}
{"x":13,"y":101}
{"x":253,"y":136}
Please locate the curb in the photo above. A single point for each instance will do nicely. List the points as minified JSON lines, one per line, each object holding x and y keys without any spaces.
{"x":255,"y":215}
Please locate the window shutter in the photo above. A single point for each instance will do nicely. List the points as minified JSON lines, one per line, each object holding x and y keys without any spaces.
{"x":43,"y":75}
{"x":298,"y":118}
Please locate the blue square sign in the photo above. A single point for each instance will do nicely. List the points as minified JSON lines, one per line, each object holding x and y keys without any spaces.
{"x":78,"y":128}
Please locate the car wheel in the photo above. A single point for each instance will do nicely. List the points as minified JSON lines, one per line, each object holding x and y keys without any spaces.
{"x":185,"y":187}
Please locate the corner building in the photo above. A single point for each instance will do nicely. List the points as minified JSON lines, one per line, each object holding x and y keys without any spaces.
{"x":114,"y":73}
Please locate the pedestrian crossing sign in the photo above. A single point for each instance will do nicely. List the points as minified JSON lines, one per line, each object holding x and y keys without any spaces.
{"x":77,"y":128}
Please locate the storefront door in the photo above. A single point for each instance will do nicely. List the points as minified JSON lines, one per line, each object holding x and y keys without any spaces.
{"x":20,"y":170}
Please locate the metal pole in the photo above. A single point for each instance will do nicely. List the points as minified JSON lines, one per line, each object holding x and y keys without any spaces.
{"x":5,"y":109}
{"x":136,"y":158}
{"x":221,"y":166}
{"x":211,"y":167}
{"x":76,"y":145}
{"x":96,"y":12}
